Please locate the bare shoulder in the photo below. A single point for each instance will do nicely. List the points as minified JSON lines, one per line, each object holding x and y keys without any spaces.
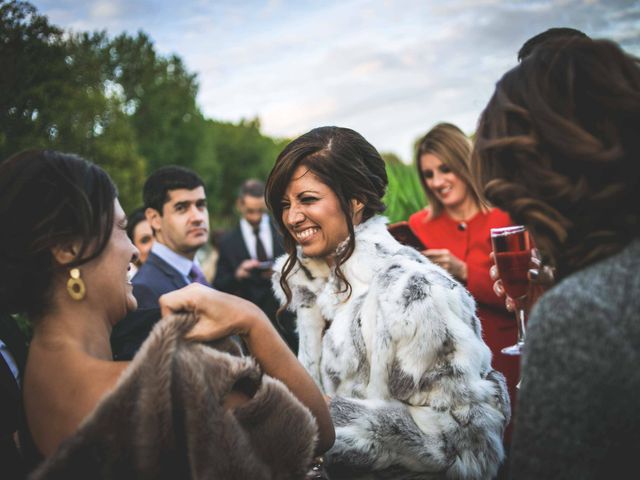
{"x":61,"y":389}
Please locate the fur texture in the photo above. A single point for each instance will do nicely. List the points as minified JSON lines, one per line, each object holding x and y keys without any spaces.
{"x":403,"y":360}
{"x":164,"y":420}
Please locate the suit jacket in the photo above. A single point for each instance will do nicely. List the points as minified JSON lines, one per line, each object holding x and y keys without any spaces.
{"x":256,"y":288}
{"x":155,"y":278}
{"x":232,"y":252}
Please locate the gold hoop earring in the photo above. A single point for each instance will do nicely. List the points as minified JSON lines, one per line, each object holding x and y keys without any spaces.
{"x":75,"y":285}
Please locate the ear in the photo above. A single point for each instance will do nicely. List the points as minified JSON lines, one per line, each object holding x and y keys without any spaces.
{"x":65,"y":253}
{"x":154,"y":218}
{"x":356,"y":210}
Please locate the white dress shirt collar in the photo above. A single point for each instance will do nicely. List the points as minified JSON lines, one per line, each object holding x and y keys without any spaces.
{"x":177,"y":261}
{"x":250,"y":239}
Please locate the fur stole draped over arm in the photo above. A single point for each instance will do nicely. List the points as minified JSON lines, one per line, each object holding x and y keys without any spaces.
{"x":165,"y":420}
{"x":403,"y":359}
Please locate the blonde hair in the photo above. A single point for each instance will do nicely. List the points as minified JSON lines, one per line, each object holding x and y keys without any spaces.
{"x":453,"y":148}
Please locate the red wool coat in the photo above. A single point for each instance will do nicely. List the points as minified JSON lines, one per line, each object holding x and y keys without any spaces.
{"x":470,"y":242}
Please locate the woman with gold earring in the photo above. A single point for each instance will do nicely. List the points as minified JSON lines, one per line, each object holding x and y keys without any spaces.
{"x":65,"y":262}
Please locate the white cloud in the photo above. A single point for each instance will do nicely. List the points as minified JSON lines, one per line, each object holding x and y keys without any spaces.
{"x":388,"y":69}
{"x":105,"y":9}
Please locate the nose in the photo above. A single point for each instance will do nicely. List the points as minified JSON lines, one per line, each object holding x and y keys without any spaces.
{"x":197,"y":215}
{"x":294,"y":216}
{"x":437,"y":179}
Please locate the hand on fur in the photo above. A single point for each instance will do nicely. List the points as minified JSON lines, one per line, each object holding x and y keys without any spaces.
{"x":448,"y":261}
{"x":219,"y":314}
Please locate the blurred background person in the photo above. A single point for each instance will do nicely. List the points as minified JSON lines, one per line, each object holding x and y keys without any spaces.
{"x":245,"y":258}
{"x":391,"y":338}
{"x":141,"y":235}
{"x":455,"y":228}
{"x":558,"y":148}
{"x":68,"y":272}
{"x":211,"y":253}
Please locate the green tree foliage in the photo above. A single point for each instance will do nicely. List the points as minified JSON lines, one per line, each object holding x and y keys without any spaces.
{"x":119,"y":103}
{"x":55,"y":94}
{"x":404,"y":194}
{"x":33,"y":79}
{"x":239,"y":151}
{"x":160,"y":96}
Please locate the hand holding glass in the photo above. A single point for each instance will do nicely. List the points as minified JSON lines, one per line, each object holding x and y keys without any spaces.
{"x":512,"y":250}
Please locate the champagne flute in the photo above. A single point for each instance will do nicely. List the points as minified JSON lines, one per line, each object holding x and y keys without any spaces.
{"x":512,"y":250}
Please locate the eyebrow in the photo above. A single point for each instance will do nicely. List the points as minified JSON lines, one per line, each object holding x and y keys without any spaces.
{"x":299,"y":194}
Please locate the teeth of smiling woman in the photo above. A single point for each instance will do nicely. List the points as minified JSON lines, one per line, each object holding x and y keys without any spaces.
{"x":306,"y":233}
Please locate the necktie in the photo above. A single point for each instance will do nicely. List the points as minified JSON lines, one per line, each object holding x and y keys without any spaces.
{"x":196,"y":275}
{"x":261,"y":253}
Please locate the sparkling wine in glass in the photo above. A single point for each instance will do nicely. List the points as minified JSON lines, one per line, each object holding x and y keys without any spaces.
{"x":512,"y":249}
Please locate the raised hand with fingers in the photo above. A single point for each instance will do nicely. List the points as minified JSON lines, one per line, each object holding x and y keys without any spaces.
{"x":448,"y":261}
{"x":221,"y":314}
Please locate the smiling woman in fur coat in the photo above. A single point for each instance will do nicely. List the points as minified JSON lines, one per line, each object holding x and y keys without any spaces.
{"x":391,"y":338}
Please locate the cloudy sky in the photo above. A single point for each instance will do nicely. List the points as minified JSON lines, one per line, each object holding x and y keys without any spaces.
{"x":389,"y":69}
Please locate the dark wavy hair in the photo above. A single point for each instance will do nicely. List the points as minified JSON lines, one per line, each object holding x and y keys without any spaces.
{"x":48,"y":198}
{"x":551,"y":34}
{"x":558,"y":147}
{"x":344,"y":161}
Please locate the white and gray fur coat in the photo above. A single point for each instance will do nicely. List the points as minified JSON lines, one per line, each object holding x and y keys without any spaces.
{"x":402,"y":358}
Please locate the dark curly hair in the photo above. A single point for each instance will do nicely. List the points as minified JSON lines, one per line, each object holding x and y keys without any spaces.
{"x":344,"y":161}
{"x":48,"y":198}
{"x":558,"y":147}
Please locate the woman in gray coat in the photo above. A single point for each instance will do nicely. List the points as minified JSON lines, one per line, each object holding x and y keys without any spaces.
{"x":558,"y":147}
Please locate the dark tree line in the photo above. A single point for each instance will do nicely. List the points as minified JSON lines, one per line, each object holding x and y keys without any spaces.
{"x":119,"y":103}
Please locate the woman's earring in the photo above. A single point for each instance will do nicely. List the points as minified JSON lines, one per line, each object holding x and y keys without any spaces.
{"x":75,"y":285}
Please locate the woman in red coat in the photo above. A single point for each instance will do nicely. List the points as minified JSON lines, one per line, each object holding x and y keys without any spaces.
{"x":455,"y":228}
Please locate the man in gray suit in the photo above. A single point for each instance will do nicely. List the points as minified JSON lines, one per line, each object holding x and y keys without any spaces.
{"x":176,"y":208}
